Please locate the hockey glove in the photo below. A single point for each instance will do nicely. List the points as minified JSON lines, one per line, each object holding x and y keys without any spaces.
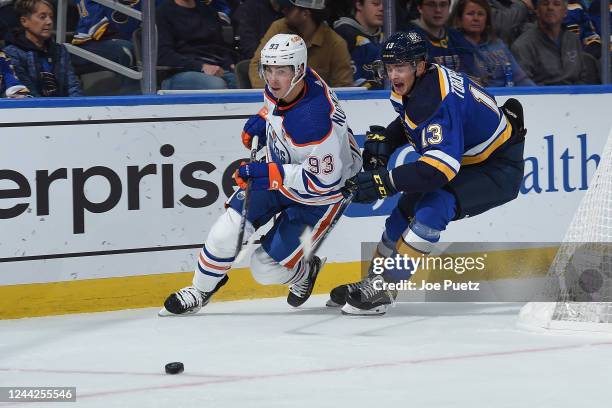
{"x":265,"y":176}
{"x":256,"y":125}
{"x":369,"y":186}
{"x":376,"y":150}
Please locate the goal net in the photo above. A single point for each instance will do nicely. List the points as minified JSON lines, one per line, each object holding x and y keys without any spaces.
{"x":579,"y":281}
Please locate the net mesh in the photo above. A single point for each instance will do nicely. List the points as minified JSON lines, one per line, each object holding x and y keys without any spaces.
{"x":580,"y":277}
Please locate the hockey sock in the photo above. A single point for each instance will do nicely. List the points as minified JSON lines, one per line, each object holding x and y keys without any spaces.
{"x":210,"y":270}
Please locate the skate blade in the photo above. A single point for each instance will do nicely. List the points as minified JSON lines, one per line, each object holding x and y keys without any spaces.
{"x":165,"y":313}
{"x":347,"y":309}
{"x":331,"y":303}
{"x":323,"y":261}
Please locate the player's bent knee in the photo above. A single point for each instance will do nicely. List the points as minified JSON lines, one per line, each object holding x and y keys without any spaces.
{"x":436,"y":209}
{"x":266,"y":270}
{"x":222,"y":237}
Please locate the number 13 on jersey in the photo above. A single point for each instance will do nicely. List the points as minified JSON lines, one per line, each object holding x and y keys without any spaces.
{"x":431,"y":135}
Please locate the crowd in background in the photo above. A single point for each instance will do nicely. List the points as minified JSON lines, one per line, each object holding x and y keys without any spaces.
{"x":215,"y":44}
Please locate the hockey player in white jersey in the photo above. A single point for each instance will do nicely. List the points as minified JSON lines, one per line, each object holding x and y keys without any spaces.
{"x":310,"y":153}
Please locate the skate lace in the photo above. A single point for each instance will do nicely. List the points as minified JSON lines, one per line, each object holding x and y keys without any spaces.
{"x":356,"y":285}
{"x":189,"y":297}
{"x":368,"y":290}
{"x":300,"y":288}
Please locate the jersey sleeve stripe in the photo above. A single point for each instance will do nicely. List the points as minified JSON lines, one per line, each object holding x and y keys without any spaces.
{"x":326,"y":199}
{"x":440,"y":166}
{"x":318,"y":182}
{"x":405,"y":152}
{"x":312,"y":188}
{"x":479,"y":148}
{"x":445,"y":158}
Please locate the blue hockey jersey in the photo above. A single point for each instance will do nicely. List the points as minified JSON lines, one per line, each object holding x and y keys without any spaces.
{"x":9,"y":83}
{"x":451,"y":121}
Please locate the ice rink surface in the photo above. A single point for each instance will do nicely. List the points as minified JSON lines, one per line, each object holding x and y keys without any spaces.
{"x":261,"y":353}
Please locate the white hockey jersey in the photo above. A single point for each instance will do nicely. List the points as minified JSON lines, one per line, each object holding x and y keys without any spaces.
{"x":311,"y":139}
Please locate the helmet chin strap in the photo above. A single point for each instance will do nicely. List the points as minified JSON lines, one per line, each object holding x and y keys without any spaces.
{"x":294,"y":81}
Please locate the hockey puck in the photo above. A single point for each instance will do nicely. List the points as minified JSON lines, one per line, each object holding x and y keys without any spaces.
{"x":175,"y":368}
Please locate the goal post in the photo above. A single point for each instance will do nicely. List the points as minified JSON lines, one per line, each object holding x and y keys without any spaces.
{"x":579,"y":280}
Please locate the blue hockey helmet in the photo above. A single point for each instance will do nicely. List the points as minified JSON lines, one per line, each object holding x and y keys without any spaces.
{"x":403,"y":47}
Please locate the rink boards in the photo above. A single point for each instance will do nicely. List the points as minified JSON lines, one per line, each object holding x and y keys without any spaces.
{"x":104,"y":202}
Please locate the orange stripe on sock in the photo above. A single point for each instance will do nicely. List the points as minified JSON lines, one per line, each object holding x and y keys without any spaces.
{"x":218,"y":268}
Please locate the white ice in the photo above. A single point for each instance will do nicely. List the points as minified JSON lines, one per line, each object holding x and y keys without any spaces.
{"x":261,"y":353}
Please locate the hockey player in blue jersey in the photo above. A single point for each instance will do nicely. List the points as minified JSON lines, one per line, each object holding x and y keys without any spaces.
{"x":471,"y":160}
{"x":310,"y":154}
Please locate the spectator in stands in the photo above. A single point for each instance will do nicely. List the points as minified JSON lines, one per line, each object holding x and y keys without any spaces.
{"x":104,"y":32}
{"x":363,"y":35}
{"x":493,"y":59}
{"x":190,"y":39}
{"x":579,"y":22}
{"x":222,"y":7}
{"x":10,"y":85}
{"x":337,"y":9}
{"x":511,"y":18}
{"x":445,"y":46}
{"x":107,"y":33}
{"x":8,"y":18}
{"x":253,"y":18}
{"x":42,"y":65}
{"x":595,"y":15}
{"x":327,"y":52}
{"x":549,"y":54}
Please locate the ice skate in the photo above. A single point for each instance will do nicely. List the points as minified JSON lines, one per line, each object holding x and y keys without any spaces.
{"x":370,"y":298}
{"x":189,"y":300}
{"x":300,"y":292}
{"x":338,"y":295}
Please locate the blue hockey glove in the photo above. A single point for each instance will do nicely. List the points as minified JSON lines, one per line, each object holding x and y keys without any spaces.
{"x":265,"y":176}
{"x":256,"y":125}
{"x":369,"y":186}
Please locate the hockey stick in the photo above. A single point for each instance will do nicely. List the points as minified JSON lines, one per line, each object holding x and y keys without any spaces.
{"x":308,"y":247}
{"x":245,"y":206}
